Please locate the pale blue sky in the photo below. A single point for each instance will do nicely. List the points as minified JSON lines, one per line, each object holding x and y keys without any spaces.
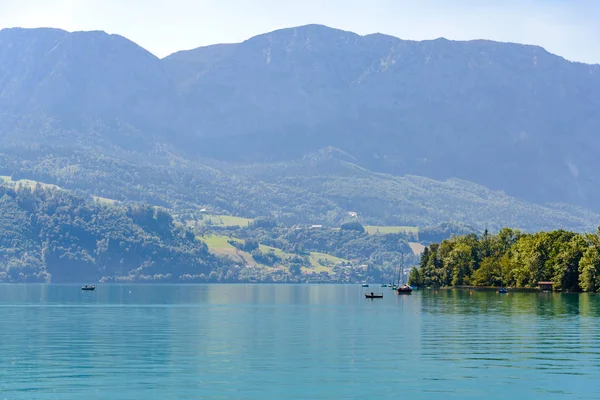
{"x":570,"y":28}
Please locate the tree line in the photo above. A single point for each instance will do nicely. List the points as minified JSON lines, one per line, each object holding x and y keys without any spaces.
{"x":53,"y":235}
{"x":513,"y":258}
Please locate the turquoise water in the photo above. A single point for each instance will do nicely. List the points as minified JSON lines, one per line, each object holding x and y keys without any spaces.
{"x":286,"y":341}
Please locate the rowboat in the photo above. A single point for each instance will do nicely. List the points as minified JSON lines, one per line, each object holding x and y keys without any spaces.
{"x":374,"y":295}
{"x":86,"y":287}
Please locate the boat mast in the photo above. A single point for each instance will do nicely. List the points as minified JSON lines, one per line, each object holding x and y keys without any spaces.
{"x":400,"y":271}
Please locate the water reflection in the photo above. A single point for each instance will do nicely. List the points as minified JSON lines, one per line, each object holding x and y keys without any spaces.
{"x":544,"y":304}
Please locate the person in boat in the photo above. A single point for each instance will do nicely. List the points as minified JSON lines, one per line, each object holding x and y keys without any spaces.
{"x":371,"y":293}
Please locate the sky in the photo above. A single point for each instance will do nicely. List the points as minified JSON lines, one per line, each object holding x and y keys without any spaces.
{"x":569,"y":28}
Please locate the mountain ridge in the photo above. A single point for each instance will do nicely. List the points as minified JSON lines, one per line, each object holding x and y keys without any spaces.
{"x":376,"y":35}
{"x":504,"y":116}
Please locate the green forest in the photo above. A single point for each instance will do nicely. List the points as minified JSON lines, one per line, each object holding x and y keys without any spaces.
{"x":52,"y":235}
{"x":514,"y":259}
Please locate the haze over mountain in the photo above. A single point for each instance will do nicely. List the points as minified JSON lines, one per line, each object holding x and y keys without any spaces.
{"x":288,"y":122}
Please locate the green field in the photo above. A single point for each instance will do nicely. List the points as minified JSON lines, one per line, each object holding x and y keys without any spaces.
{"x":315,"y":257}
{"x":219,"y":244}
{"x":278,"y":252}
{"x":391,"y":229}
{"x":28,"y":183}
{"x":223,"y":220}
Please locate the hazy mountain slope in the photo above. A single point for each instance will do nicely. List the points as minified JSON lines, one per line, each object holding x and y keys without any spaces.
{"x":413,"y":200}
{"x":188,"y":65}
{"x":320,"y":189}
{"x":508,"y":116}
{"x":82,"y":86}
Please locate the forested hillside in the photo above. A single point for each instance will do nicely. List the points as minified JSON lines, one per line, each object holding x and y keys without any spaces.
{"x":513,"y":258}
{"x":51,"y":235}
{"x":317,"y":190}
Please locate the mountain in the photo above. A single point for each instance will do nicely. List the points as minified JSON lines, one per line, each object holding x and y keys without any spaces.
{"x":506,"y":116}
{"x":57,"y":85}
{"x":306,"y":124}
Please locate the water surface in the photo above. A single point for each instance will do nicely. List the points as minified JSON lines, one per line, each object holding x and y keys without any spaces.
{"x":294,"y":341}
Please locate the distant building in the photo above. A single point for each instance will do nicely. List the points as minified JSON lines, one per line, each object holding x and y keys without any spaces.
{"x":316,"y":226}
{"x":353,"y":214}
{"x":545,"y":285}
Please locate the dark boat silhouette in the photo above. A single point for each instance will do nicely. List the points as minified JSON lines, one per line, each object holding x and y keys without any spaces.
{"x":90,"y":287}
{"x":404,"y":289}
{"x":374,"y":295}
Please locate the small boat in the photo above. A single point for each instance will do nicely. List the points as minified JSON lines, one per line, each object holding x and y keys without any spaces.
{"x":365,"y":285}
{"x":383,"y":285}
{"x":404,"y":289}
{"x":374,"y":295}
{"x":90,"y":287}
{"x":502,"y":288}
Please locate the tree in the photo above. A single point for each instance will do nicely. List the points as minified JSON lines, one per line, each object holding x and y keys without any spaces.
{"x":264,"y":222}
{"x":488,"y":274}
{"x":589,"y":266}
{"x":250,"y":245}
{"x":353,"y":226}
{"x":565,"y":266}
{"x":414,"y":278}
{"x":460,"y":263}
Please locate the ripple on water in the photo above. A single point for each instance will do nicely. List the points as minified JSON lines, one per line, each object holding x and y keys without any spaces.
{"x":278,"y":341}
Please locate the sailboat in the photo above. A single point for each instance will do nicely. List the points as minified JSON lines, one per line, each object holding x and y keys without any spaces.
{"x":405,"y":288}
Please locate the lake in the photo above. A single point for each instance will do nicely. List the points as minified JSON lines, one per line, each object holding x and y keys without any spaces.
{"x":295,"y":341}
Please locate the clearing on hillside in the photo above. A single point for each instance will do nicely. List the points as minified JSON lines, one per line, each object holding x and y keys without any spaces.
{"x":417,"y":248}
{"x":31,"y":184}
{"x":222,"y":220}
{"x":372,"y":229}
{"x":28,"y":183}
{"x":219,"y":245}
